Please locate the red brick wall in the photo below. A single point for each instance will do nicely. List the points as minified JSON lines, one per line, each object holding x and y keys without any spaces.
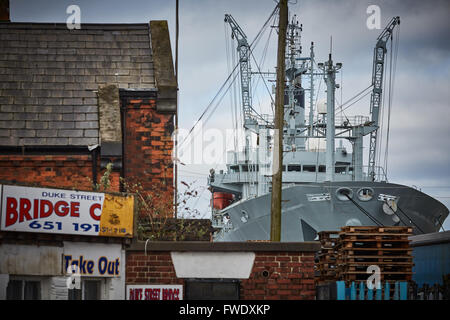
{"x":290,"y":274}
{"x":57,"y":171}
{"x":49,"y":171}
{"x":155,"y":268}
{"x":148,"y":146}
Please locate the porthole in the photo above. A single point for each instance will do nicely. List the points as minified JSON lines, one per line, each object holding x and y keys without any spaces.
{"x":365,"y":194}
{"x":344,"y":194}
{"x":244,"y":217}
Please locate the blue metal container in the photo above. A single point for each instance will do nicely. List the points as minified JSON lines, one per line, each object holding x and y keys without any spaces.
{"x":431,"y":254}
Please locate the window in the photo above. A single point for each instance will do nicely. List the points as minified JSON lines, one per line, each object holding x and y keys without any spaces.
{"x":340,"y":169}
{"x":234,"y":169}
{"x":23,"y":290}
{"x":322,"y":169}
{"x":294,"y":167}
{"x":309,"y":168}
{"x":74,"y":294}
{"x":253,"y":167}
{"x":14,"y":290}
{"x":90,"y":290}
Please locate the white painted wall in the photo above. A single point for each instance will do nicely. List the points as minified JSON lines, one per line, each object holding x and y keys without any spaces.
{"x":57,"y":288}
{"x":227,"y":265}
{"x":45,"y":264}
{"x":30,"y":260}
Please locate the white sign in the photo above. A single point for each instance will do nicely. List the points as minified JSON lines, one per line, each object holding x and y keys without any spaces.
{"x":45,"y":210}
{"x":155,"y":292}
{"x":93,"y":260}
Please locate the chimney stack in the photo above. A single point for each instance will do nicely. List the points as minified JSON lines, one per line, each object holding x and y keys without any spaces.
{"x":4,"y":11}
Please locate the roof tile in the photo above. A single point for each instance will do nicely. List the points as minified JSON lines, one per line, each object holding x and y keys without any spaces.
{"x":49,"y":78}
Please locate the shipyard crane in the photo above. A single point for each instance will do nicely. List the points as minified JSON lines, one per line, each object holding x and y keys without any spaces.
{"x":244,"y":52}
{"x":377,"y":83}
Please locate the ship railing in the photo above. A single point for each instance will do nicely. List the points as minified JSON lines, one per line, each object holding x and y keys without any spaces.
{"x":358,"y":120}
{"x":379,"y":172}
{"x":266,"y":119}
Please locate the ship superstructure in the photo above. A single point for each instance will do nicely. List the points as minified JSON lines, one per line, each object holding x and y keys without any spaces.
{"x":323,"y":189}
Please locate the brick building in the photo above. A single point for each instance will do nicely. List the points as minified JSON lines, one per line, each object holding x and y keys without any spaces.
{"x":71,"y":102}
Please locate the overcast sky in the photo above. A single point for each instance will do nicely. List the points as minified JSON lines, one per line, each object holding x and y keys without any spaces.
{"x":419,"y":152}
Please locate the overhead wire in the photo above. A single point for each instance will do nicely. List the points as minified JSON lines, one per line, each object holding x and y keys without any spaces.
{"x":227,"y":51}
{"x":388,"y":116}
{"x":381,"y":121}
{"x":264,"y":53}
{"x":253,"y":43}
{"x":393,"y":65}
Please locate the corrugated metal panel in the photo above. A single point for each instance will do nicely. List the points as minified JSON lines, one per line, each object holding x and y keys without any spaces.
{"x":431,"y":263}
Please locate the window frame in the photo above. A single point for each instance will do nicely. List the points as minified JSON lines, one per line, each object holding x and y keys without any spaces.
{"x":24,"y":280}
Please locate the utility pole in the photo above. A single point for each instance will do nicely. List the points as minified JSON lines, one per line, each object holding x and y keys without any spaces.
{"x":275,"y":210}
{"x":177,"y":28}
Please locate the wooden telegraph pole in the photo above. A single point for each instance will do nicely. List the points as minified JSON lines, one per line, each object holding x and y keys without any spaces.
{"x":275,"y":210}
{"x":177,"y":29}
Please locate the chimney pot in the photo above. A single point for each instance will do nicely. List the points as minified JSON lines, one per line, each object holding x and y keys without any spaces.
{"x":4,"y":10}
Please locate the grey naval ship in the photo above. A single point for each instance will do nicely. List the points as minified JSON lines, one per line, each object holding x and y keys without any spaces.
{"x":323,"y":189}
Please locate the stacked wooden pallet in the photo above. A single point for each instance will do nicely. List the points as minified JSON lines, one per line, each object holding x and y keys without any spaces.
{"x":346,"y":255}
{"x":385,"y":247}
{"x":326,"y":267}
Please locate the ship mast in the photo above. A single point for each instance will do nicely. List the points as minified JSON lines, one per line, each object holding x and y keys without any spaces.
{"x":330,"y":78}
{"x":275,"y":212}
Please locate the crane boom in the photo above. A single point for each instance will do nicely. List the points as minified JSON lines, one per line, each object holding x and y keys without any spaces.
{"x":243,"y":49}
{"x":377,"y":83}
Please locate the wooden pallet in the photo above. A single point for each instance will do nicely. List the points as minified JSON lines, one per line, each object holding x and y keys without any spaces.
{"x":374,"y":229}
{"x":374,"y":259}
{"x":326,"y":257}
{"x":347,"y":253}
{"x":386,"y":251}
{"x":328,"y":239}
{"x":383,"y":268}
{"x":375,"y":237}
{"x":374,"y":234}
{"x":349,"y":277}
{"x":390,"y":243}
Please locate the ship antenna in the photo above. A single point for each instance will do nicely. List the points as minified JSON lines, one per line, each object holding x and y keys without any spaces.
{"x":331,"y":46}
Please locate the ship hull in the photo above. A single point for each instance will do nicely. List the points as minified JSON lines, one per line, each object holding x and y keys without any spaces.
{"x":312,"y":207}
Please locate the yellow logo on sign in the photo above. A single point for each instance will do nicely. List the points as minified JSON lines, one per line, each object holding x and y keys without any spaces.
{"x":117,"y":216}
